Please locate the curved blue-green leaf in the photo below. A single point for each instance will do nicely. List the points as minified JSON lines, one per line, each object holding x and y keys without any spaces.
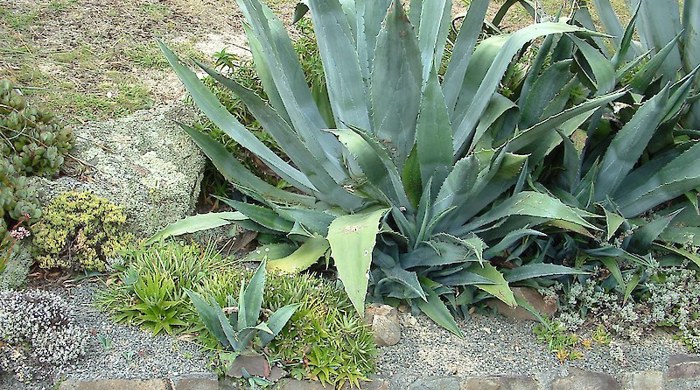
{"x":352,"y":239}
{"x":462,"y":52}
{"x":341,"y":65}
{"x":436,"y":310}
{"x":236,"y":173}
{"x":396,"y":81}
{"x":289,"y":79}
{"x":304,"y":257}
{"x":375,"y":163}
{"x":659,"y":23}
{"x":196,"y":223}
{"x":538,"y":270}
{"x":495,"y":73}
{"x":628,"y":145}
{"x":433,"y":132}
{"x":432,"y":36}
{"x":219,"y":115}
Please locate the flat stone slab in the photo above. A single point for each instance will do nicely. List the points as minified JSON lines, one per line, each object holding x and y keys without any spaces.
{"x":683,"y":367}
{"x":586,"y":380}
{"x":144,"y":162}
{"x":115,"y":384}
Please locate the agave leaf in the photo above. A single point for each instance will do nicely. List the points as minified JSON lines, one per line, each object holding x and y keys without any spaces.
{"x":602,"y":68}
{"x":196,"y":223}
{"x":538,"y":270}
{"x":498,"y":107}
{"x":643,"y":237}
{"x":376,"y":164}
{"x":396,"y":81}
{"x":270,"y":252}
{"x":315,"y":220}
{"x":290,"y":82}
{"x":534,"y":134}
{"x":499,"y":288}
{"x":545,"y":87}
{"x":614,"y":268}
{"x":628,"y":145}
{"x":405,"y":278}
{"x":346,"y":87}
{"x":631,"y":286}
{"x":304,"y":257}
{"x":433,"y":132}
{"x":372,"y":14}
{"x":691,"y":35}
{"x":352,"y":239}
{"x":462,"y":52}
{"x":613,"y":221}
{"x":432,"y":36}
{"x":252,"y":298}
{"x":236,"y":173}
{"x":659,"y":23}
{"x":209,"y":317}
{"x":435,"y":253}
{"x":276,"y":323}
{"x":608,"y":18}
{"x":458,"y":184}
{"x":436,"y":310}
{"x":674,"y":179}
{"x":644,"y":76}
{"x":463,"y":278}
{"x":220,"y":116}
{"x":624,"y":44}
{"x":583,"y":17}
{"x":480,"y":62}
{"x":532,"y":204}
{"x":681,"y":252}
{"x":262,"y":215}
{"x":511,"y":238}
{"x":263,"y":71}
{"x":490,"y":82}
{"x":284,"y":135}
{"x":503,"y":10}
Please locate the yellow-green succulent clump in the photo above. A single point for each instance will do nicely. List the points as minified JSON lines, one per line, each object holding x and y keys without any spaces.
{"x":80,"y":231}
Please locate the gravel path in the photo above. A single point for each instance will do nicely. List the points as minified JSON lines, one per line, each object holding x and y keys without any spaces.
{"x":501,"y":347}
{"x":131,"y":354}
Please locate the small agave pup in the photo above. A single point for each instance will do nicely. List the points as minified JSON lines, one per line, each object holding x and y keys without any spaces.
{"x":409,"y":187}
{"x":240,"y":330}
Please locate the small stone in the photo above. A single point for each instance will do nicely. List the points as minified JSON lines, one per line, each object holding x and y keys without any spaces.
{"x":385,"y":324}
{"x":114,"y":384}
{"x":499,"y":383}
{"x":585,"y":380}
{"x":683,"y":367}
{"x":295,"y":384}
{"x":254,"y":365}
{"x":201,"y":381}
{"x":436,"y":383}
{"x":644,"y":380}
{"x":374,"y":384}
{"x":546,"y":307}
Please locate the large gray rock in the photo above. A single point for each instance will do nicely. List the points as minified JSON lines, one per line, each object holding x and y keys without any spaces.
{"x":15,"y":274}
{"x":144,"y":162}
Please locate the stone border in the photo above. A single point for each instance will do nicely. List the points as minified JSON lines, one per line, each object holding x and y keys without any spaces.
{"x":683,"y":373}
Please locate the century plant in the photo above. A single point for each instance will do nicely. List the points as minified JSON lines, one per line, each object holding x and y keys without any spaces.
{"x":632,"y":161}
{"x":240,"y":328}
{"x":410,"y":174}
